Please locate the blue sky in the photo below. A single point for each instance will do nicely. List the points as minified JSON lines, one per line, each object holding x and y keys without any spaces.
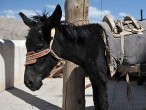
{"x":116,"y":8}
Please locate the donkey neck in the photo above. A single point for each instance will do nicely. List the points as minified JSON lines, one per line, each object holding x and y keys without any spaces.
{"x":69,"y":45}
{"x":79,"y":44}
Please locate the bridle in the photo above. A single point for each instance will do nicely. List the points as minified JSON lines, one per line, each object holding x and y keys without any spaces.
{"x":31,"y":57}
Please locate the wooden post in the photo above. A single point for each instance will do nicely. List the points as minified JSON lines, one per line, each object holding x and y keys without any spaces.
{"x":76,"y":11}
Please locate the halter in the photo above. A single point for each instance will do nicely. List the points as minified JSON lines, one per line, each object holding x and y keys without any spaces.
{"x":31,"y":57}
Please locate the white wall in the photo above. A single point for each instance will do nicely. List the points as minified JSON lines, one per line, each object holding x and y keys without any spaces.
{"x":12,"y":58}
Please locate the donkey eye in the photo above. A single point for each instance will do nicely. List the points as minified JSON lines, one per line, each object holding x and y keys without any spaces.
{"x":39,"y":46}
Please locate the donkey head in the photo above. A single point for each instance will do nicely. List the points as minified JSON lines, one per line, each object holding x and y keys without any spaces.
{"x":38,"y":39}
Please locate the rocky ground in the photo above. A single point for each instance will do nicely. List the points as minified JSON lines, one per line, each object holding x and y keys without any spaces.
{"x":13,"y":29}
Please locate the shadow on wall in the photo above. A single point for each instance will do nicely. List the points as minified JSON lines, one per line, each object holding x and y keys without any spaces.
{"x":7,"y":72}
{"x":12,"y":58}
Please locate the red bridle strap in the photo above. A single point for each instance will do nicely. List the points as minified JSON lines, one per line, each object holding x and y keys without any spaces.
{"x":31,"y":57}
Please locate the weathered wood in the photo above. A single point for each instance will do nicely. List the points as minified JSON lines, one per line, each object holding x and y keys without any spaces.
{"x":76,"y":11}
{"x":73,"y":87}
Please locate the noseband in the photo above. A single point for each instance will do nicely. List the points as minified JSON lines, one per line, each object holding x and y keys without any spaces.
{"x":31,"y":57}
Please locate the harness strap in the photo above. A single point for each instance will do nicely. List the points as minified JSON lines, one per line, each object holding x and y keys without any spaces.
{"x":31,"y":57}
{"x":54,"y":55}
{"x":51,"y":43}
{"x":122,"y":49}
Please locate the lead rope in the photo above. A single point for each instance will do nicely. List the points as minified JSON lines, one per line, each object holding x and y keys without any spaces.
{"x":52,"y":36}
{"x":128,"y":87}
{"x":51,"y":43}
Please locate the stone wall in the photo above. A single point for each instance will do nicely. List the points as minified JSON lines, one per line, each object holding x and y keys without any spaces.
{"x":12,"y":52}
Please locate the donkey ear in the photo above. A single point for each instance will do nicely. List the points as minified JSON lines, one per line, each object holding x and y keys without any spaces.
{"x":56,"y":16}
{"x":30,"y":23}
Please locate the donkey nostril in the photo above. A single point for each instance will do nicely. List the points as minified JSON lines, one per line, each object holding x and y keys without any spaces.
{"x":30,"y":83}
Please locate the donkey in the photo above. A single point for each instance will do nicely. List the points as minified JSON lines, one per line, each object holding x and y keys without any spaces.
{"x":49,"y":40}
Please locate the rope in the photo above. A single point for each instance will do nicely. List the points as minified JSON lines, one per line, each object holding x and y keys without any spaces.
{"x":83,"y":20}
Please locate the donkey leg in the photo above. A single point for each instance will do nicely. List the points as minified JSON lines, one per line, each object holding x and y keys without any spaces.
{"x":100,"y":98}
{"x":102,"y":91}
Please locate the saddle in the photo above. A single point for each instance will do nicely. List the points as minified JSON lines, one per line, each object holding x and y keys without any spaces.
{"x":123,"y":28}
{"x":124,"y":39}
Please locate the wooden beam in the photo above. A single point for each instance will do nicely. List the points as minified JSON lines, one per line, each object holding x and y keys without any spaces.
{"x":76,"y":12}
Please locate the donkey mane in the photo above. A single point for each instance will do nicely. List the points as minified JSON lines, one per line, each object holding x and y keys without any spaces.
{"x":81,"y":33}
{"x":40,"y":18}
{"x":74,"y":33}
